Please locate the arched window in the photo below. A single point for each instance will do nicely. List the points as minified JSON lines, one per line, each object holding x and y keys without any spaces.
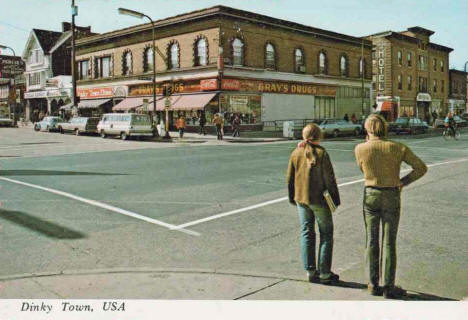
{"x":322,"y":63}
{"x":270,"y":56}
{"x":343,"y":65}
{"x":238,"y":52}
{"x":173,"y":56}
{"x":127,"y":66}
{"x":201,"y":52}
{"x":148,"y":60}
{"x":299,"y":60}
{"x":362,"y":68}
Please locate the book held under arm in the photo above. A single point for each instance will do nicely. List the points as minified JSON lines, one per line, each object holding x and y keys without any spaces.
{"x":329,"y":200}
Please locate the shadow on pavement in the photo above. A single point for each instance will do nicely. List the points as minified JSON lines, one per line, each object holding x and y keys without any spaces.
{"x":54,"y":173}
{"x":46,"y":228}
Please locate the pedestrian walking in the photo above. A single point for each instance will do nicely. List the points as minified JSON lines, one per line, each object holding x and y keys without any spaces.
{"x":181,"y":124}
{"x":310,"y":173}
{"x":353,"y":118}
{"x":380,"y":160}
{"x":346,"y":117}
{"x":218,"y":122}
{"x":202,"y":123}
{"x":236,"y":126}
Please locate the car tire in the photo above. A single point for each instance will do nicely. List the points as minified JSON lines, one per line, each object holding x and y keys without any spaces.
{"x":123,"y":136}
{"x":77,"y":132}
{"x":103,"y":134}
{"x":36,"y":127}
{"x":336,"y":133}
{"x":61,"y":130}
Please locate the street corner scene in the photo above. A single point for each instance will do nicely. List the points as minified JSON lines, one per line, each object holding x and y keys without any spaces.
{"x":169,"y":158}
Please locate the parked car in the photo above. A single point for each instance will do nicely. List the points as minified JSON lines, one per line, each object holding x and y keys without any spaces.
{"x":6,"y":122}
{"x":125,"y":125}
{"x":409,"y":125}
{"x":79,"y":125}
{"x":440,"y":123}
{"x":48,"y":124}
{"x":337,"y":127}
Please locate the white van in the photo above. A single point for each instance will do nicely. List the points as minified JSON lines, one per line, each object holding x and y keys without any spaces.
{"x":125,"y":125}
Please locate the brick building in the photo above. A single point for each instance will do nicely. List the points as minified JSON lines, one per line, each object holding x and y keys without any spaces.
{"x":410,"y":73}
{"x":226,"y":60}
{"x":11,"y":87}
{"x":457,"y":91}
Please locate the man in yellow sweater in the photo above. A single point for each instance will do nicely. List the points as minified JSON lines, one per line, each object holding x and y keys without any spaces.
{"x":380,"y":160}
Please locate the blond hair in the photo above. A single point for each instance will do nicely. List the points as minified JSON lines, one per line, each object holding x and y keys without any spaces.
{"x":375,"y":124}
{"x":311,"y":133}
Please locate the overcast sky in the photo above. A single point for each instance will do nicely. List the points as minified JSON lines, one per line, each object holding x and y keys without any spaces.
{"x":448,"y":18}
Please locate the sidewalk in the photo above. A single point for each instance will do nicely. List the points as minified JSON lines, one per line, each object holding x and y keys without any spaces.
{"x":190,"y":137}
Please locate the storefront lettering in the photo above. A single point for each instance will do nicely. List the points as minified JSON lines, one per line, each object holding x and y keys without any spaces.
{"x":381,"y":67}
{"x":209,"y":84}
{"x":105,"y":92}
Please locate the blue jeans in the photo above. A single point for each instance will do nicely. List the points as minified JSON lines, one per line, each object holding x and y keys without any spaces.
{"x":307,"y":216}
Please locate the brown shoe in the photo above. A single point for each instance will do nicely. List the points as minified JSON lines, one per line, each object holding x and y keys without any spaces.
{"x":393,"y":292}
{"x":374,"y":290}
{"x":313,"y":276}
{"x":333,"y":278}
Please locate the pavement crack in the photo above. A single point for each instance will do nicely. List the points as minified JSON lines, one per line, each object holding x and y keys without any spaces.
{"x":258,"y":290}
{"x":47,"y":289}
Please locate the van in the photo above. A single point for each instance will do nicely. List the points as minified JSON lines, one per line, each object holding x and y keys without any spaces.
{"x":125,"y":125}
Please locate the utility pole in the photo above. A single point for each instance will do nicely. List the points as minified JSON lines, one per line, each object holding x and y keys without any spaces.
{"x":74,"y":11}
{"x":362,"y":76}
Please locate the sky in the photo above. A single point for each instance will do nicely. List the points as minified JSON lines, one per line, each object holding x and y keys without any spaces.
{"x":448,"y":18}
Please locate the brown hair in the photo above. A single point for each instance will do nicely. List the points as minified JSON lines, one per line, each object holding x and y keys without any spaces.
{"x":376,"y":125}
{"x":311,"y":133}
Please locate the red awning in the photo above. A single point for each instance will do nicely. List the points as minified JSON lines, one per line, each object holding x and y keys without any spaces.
{"x":131,"y":103}
{"x":186,"y":102}
{"x":387,"y":106}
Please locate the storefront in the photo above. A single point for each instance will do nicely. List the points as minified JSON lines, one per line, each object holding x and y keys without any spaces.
{"x":389,"y":107}
{"x":457,"y":106}
{"x":423,"y":103}
{"x":96,"y":101}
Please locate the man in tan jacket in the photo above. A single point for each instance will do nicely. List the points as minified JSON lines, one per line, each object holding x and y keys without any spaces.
{"x":380,"y":161}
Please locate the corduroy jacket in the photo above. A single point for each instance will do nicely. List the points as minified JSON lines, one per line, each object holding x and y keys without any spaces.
{"x":307,"y":184}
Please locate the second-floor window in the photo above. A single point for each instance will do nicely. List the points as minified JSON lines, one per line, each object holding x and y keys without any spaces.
{"x":299,"y":65}
{"x":201,"y":52}
{"x":410,"y":85}
{"x":400,"y":58}
{"x":238,"y":52}
{"x":148,"y":59}
{"x":127,"y":65}
{"x":400,"y":82}
{"x":174,"y":56}
{"x":83,"y":69}
{"x":422,"y":63}
{"x":422,"y":84}
{"x":409,"y":59}
{"x":434,"y":86}
{"x":102,"y":67}
{"x":434,"y":64}
{"x":343,"y":66}
{"x":34,"y":79}
{"x":322,"y":63}
{"x":35,"y":56}
{"x":441,"y":66}
{"x":270,"y":57}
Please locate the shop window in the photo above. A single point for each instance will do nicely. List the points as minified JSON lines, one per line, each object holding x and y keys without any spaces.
{"x":148,"y":59}
{"x":83,"y":69}
{"x":201,"y":52}
{"x":102,"y":67}
{"x":322,"y":62}
{"x":400,"y":82}
{"x":409,"y":58}
{"x":400,"y":58}
{"x":127,"y":63}
{"x":343,"y":65}
{"x":410,"y":84}
{"x":173,"y":56}
{"x":238,"y":52}
{"x":270,"y":56}
{"x":299,"y":62}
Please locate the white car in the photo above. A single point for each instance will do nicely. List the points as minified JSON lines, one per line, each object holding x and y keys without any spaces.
{"x":125,"y":125}
{"x":336,"y":127}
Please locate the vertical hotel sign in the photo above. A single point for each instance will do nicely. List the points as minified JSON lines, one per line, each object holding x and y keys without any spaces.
{"x":381,"y":68}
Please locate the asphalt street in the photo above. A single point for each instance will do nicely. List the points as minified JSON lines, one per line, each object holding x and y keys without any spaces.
{"x":208,"y":220}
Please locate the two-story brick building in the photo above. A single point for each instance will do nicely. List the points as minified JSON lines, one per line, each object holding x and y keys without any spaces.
{"x":226,"y":60}
{"x":410,"y":73}
{"x":48,"y":70}
{"x":457,"y":91}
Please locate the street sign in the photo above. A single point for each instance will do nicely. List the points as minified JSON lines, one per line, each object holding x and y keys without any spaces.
{"x":167,"y":103}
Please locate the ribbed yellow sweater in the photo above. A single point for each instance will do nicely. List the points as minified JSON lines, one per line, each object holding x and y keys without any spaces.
{"x":380,"y":161}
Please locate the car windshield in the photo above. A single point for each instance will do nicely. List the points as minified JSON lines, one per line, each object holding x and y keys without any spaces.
{"x":401,"y":120}
{"x":140,"y":119}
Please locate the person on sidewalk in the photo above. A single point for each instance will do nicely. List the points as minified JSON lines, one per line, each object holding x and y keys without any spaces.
{"x":380,"y":161}
{"x":202,"y":123}
{"x":236,"y":126}
{"x":181,"y":124}
{"x":310,"y":173}
{"x":218,"y":122}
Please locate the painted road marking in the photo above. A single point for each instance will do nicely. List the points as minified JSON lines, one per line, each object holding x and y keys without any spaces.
{"x":263,"y":204}
{"x":104,"y":206}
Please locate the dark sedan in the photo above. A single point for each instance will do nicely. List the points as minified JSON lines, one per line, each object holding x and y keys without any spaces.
{"x":409,"y":125}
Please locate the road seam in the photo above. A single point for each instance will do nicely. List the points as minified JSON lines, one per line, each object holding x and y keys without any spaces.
{"x":258,"y":290}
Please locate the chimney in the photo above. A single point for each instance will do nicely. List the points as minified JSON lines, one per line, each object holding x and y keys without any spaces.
{"x":66,"y":26}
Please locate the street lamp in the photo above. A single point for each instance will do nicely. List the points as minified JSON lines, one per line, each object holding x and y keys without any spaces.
{"x":140,"y":15}
{"x":14,"y":85}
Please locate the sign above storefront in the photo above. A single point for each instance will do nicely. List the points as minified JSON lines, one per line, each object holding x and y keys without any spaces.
{"x":209,"y":84}
{"x":93,"y":93}
{"x":260,"y":86}
{"x":423,"y":97}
